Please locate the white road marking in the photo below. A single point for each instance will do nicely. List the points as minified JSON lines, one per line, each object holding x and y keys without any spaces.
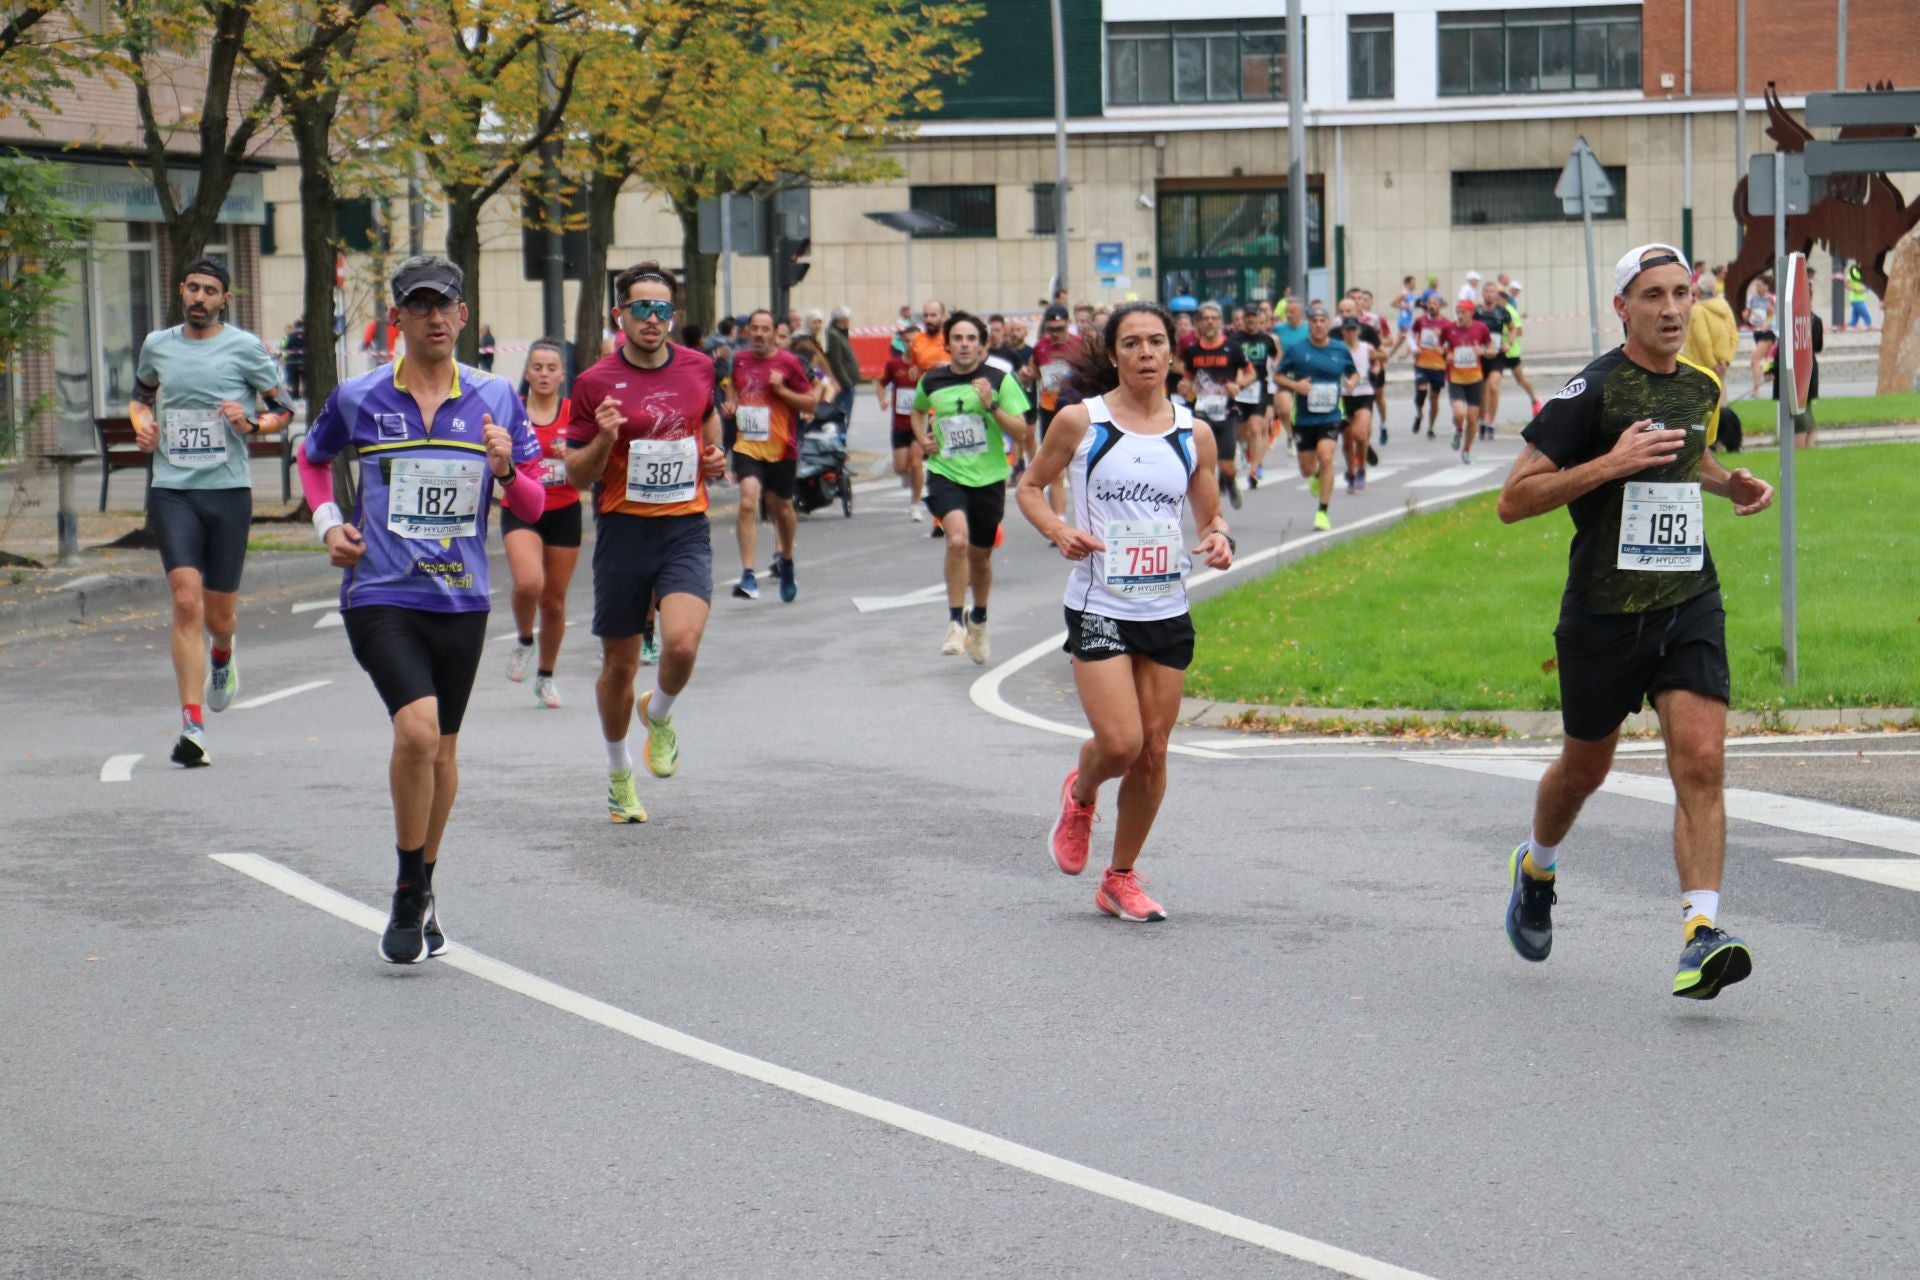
{"x":86,"y":580}
{"x":118,"y":768}
{"x":985,"y":690}
{"x":330,"y":619}
{"x":958,"y":1136}
{"x":1901,"y":873}
{"x":878,"y":604}
{"x":1323,"y":740}
{"x":1789,"y":813}
{"x":261,"y":701}
{"x":308,"y":606}
{"x":1451,"y":477}
{"x":1374,"y":476}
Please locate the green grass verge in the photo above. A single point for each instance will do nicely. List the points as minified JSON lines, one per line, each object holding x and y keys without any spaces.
{"x":1841,"y":411}
{"x":1453,"y":610}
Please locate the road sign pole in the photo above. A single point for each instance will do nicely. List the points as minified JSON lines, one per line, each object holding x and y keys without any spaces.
{"x":1593,"y":290}
{"x":1786,"y":324}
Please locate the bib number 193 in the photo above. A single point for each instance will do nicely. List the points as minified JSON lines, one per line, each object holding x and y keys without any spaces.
{"x":1662,"y":528}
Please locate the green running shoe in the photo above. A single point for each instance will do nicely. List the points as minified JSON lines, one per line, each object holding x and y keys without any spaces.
{"x":623,"y":805}
{"x":1712,"y":960}
{"x":662,"y":750}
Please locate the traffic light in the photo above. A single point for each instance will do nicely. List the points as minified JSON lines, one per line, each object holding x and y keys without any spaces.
{"x":789,"y":269}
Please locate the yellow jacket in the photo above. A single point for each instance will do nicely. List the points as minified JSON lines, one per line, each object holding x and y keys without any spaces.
{"x":1712,"y":334}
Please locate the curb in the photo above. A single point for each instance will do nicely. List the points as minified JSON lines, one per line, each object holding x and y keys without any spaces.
{"x":1201,"y":713}
{"x":122,"y":594}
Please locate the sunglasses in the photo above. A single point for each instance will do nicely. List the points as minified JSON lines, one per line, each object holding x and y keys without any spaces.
{"x":650,"y":309}
{"x":422,"y":305}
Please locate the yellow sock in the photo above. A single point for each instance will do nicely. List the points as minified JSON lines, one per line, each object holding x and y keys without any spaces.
{"x":1528,"y":866}
{"x":1694,"y":925}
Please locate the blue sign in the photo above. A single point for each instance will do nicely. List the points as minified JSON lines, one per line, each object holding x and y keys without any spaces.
{"x":1109,"y":258}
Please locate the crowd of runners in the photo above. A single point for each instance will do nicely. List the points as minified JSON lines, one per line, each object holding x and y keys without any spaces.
{"x":1122,"y":432}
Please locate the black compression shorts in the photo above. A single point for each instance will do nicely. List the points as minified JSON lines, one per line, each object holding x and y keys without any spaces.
{"x":559,"y":527}
{"x":419,"y":653}
{"x":204,"y":529}
{"x":1092,"y":637}
{"x":776,"y":478}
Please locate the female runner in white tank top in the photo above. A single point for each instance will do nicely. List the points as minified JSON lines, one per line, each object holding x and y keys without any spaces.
{"x":1136,"y":465}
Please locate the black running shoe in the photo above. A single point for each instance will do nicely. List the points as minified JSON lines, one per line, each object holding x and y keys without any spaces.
{"x":1529,"y":910}
{"x":405,"y":941}
{"x":1713,"y":959}
{"x":436,"y":940}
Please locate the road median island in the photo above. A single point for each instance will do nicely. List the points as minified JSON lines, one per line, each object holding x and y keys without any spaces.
{"x":1449,"y":613}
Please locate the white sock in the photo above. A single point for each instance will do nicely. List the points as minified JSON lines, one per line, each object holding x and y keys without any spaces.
{"x":1699,"y":902}
{"x":617,"y":757}
{"x":660,"y":705}
{"x":1543,"y":855}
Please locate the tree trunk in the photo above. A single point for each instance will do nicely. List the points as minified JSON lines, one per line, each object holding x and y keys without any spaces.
{"x":319,"y":213}
{"x":590,"y":309}
{"x":697,"y":305}
{"x":464,"y":204}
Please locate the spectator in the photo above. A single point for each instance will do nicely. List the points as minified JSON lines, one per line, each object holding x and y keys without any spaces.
{"x":293,"y":358}
{"x":842,"y":363}
{"x":1713,"y":335}
{"x":488,"y":347}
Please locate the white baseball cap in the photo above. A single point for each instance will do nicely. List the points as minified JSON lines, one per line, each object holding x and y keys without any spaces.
{"x":1514,"y":286}
{"x":1473,"y":275}
{"x":1631,"y":265}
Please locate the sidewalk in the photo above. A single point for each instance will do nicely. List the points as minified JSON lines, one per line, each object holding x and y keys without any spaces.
{"x":1406,"y":721}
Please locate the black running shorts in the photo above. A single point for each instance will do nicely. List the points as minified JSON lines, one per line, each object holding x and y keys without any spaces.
{"x":903,"y":437}
{"x":1468,"y":393}
{"x":559,"y":527}
{"x":1610,"y":663}
{"x":204,"y":529}
{"x":1093,"y":637}
{"x":419,"y":653}
{"x":985,"y":506}
{"x":1429,"y":379}
{"x":640,"y":559}
{"x":1226,"y":439}
{"x":1306,"y":439}
{"x":776,"y":478}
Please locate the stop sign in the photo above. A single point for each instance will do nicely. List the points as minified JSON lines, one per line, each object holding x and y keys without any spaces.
{"x":1800,"y":328}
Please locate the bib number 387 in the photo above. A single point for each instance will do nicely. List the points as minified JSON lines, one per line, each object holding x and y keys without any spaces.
{"x":1662,"y":528}
{"x":431,"y":498}
{"x":661,"y":472}
{"x":1142,"y":558}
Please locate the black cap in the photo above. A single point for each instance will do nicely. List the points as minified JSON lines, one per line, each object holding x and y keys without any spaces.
{"x":1350,"y":322}
{"x":1054,"y":312}
{"x":209,"y":267}
{"x":427,"y":271}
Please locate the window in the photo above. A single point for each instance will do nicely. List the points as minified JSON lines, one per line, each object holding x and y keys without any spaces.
{"x":1157,"y":63}
{"x":1044,"y":223}
{"x":1370,"y":55}
{"x":971,"y":210}
{"x":1538,"y":50}
{"x":1487,"y":196}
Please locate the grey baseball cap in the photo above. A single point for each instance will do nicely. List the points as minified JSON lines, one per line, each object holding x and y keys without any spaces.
{"x":427,"y":271}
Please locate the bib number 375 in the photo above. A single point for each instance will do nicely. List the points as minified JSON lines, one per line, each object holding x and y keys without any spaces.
{"x":1662,"y":528}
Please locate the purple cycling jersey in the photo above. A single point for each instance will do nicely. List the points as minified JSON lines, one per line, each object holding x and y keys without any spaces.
{"x":424,"y":489}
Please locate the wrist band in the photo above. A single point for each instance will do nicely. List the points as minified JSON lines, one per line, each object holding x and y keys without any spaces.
{"x":327,"y":518}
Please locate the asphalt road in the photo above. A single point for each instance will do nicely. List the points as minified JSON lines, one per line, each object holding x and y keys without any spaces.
{"x":1327,"y":1061}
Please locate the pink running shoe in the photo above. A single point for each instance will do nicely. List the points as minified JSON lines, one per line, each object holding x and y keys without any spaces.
{"x":1120,"y":895}
{"x":1072,"y":831}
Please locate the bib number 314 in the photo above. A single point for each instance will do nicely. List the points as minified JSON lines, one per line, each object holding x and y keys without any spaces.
{"x":1142,"y":558}
{"x":1662,"y":528}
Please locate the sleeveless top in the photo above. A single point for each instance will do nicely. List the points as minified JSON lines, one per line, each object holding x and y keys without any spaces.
{"x":1119,"y":477}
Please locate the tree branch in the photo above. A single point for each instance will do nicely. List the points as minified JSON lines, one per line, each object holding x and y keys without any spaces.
{"x":22,"y":22}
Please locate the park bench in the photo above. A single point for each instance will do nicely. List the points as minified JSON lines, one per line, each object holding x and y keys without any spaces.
{"x":118,"y":451}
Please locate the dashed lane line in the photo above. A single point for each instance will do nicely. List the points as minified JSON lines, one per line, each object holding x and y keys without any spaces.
{"x":249,"y":704}
{"x":119,"y":768}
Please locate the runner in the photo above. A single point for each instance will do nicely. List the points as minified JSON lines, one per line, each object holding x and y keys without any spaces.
{"x":1516,"y":327}
{"x":644,"y":426}
{"x":1126,"y":596}
{"x":1018,"y":356}
{"x":206,"y":376}
{"x":1468,"y":343}
{"x":963,"y":413}
{"x":434,"y":439}
{"x":1358,"y":406}
{"x":1760,"y":319}
{"x":926,"y":349}
{"x":895,"y":387}
{"x":1429,"y":360}
{"x":1492,"y":313}
{"x":772,"y":389}
{"x":1250,"y":402}
{"x":1219,"y":371}
{"x":1625,"y":447}
{"x":541,"y":554}
{"x":1318,"y":372}
{"x":1050,"y":369}
{"x":1285,"y":335}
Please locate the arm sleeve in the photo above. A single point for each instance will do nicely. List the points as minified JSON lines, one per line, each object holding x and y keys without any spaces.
{"x":523,"y":493}
{"x":316,"y":480}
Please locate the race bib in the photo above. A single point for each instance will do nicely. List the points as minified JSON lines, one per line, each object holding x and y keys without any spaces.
{"x":903,"y":399}
{"x":1250,"y":394}
{"x":1466,"y":358}
{"x":553,"y":471}
{"x":1430,"y":339}
{"x":1662,"y":528}
{"x":755,"y":422}
{"x":1142,"y":558}
{"x":434,"y":497}
{"x":660,"y":472}
{"x":963,"y":435}
{"x":1211,"y":406}
{"x":1053,"y":374}
{"x":196,"y":437}
{"x":1323,"y":397}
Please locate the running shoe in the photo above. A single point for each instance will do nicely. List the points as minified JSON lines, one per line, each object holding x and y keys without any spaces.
{"x":223,"y":681}
{"x":1349,"y":484}
{"x":1233,"y":494}
{"x":1429,"y":433}
{"x":1466,"y":457}
{"x":662,"y":750}
{"x":1360,"y":480}
{"x":1120,"y":894}
{"x":913,"y":512}
{"x":1529,"y":910}
{"x":1373,"y":458}
{"x":1072,"y":830}
{"x":788,"y":587}
{"x":546,"y":692}
{"x":1253,"y":478}
{"x":405,"y":940}
{"x":1536,"y":408}
{"x":623,"y":803}
{"x":956,"y":641}
{"x":649,"y":649}
{"x":518,"y":661}
{"x":748,"y":588}
{"x":436,"y":937}
{"x":976,"y":645}
{"x":190,"y":749}
{"x":1458,"y":436}
{"x":1383,"y":433}
{"x":1713,"y":959}
{"x":1322,"y":521}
